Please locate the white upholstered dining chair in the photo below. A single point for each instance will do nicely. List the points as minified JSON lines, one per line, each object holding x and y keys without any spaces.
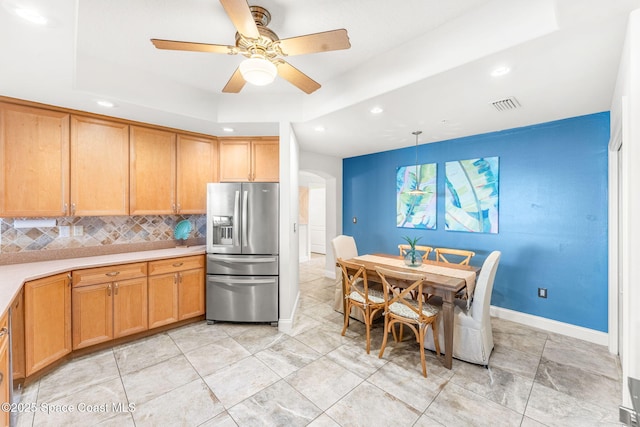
{"x":472,"y":333}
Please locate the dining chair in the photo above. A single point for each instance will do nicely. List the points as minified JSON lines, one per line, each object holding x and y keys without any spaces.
{"x":472,"y":333}
{"x":343,"y":247}
{"x":404,"y":248}
{"x":454,"y":256}
{"x":360,"y":296}
{"x":400,"y":308}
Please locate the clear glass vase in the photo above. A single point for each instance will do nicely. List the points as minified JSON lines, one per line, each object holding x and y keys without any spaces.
{"x":413,"y":258}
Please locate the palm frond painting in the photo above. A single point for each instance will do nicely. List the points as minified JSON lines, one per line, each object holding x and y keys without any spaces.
{"x":416,"y":209}
{"x":471,"y":195}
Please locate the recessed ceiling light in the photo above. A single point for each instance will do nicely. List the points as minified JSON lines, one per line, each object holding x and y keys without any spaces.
{"x":376,"y":110}
{"x":319,"y":128}
{"x":228,"y":129}
{"x":31,"y":15}
{"x":106,"y":104}
{"x":500,"y":71}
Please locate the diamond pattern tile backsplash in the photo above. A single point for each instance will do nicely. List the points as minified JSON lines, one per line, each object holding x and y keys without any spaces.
{"x":95,"y":231}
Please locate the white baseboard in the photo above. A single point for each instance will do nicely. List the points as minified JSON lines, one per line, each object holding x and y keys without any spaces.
{"x":590,"y":335}
{"x":331,"y":274}
{"x":286,"y":325}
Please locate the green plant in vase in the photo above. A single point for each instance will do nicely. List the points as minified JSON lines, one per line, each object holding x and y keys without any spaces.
{"x":412,"y":258}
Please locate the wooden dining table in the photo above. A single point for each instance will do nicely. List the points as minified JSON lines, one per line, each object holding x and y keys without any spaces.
{"x":439,"y":284}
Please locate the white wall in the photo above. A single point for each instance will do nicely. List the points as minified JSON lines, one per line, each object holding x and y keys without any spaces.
{"x":625,"y":128}
{"x":289,"y":280}
{"x":330,"y":168}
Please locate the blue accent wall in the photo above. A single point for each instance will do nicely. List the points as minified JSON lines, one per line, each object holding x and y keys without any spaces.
{"x":552,"y":219}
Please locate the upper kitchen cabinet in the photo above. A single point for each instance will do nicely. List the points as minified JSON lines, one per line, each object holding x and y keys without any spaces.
{"x":196,"y":166}
{"x":169,"y":172}
{"x":249,"y":160}
{"x":99,"y":167}
{"x":34,"y":160}
{"x":152,"y":171}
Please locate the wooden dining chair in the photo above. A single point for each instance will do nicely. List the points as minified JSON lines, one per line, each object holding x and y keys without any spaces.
{"x":404,"y":248}
{"x":400,"y":308}
{"x":359,"y":295}
{"x":454,"y":256}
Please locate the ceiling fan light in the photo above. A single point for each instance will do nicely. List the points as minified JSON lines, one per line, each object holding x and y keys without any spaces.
{"x":258,"y":71}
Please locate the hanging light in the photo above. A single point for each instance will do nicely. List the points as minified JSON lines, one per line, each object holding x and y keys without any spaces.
{"x":416,"y":191}
{"x":258,"y":71}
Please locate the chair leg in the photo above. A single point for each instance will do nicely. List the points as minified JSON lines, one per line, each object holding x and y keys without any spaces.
{"x":387,"y":328}
{"x":435,"y":329}
{"x":367,"y":325}
{"x":346,"y":317}
{"x":422,"y":331}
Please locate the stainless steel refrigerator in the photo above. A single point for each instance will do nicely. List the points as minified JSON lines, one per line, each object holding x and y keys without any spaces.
{"x":242,"y":252}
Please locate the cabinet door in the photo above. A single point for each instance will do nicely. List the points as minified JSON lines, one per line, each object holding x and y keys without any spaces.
{"x":34,"y":161}
{"x":196,"y":167}
{"x":266,"y":161}
{"x":235,"y":161}
{"x":17,"y":336}
{"x":47,"y":309}
{"x":92,"y":314}
{"x":152,"y":172}
{"x":99,"y":167}
{"x":129,"y":307}
{"x":190,"y":293}
{"x":5,"y":386}
{"x":163,"y":299}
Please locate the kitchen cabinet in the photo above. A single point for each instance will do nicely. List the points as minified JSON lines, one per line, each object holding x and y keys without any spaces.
{"x":34,"y":161}
{"x":244,"y":160}
{"x":5,"y":385}
{"x":47,"y":321}
{"x":169,"y":172}
{"x":108,"y":302}
{"x":17,"y":337}
{"x":99,"y":171}
{"x":196,"y":166}
{"x":176,"y":289}
{"x":152,"y":171}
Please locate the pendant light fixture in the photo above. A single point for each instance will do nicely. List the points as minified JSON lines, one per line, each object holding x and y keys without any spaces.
{"x":416,"y":191}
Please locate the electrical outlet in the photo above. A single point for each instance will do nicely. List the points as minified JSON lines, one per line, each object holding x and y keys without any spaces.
{"x":64,"y":231}
{"x":542,"y":292}
{"x":78,"y":230}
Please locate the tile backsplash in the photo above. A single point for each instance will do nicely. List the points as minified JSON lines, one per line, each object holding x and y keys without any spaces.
{"x":91,"y":232}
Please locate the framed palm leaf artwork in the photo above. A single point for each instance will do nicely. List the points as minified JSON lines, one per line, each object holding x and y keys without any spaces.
{"x":416,"y":196}
{"x":471,"y":195}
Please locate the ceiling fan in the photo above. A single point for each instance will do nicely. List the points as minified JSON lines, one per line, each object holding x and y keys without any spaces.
{"x":263,"y":49}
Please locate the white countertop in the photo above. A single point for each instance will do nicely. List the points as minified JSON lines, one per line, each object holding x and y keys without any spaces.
{"x":13,"y":276}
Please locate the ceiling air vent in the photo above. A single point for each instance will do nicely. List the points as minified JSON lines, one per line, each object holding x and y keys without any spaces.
{"x":506,"y":104}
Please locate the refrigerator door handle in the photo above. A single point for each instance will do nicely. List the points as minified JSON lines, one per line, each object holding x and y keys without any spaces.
{"x":236,"y":214}
{"x":240,"y":281}
{"x":245,"y":222}
{"x":242,"y":260}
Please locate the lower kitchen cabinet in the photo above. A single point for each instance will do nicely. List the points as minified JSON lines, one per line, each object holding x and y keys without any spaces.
{"x":105,"y":308}
{"x":5,"y":385}
{"x":176,"y":289}
{"x":47,"y":321}
{"x":17,"y":336}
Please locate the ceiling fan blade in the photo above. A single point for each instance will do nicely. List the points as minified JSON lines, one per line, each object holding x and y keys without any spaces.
{"x":235,"y":83}
{"x":194,"y":47}
{"x":240,"y":15}
{"x":318,"y":42}
{"x":297,"y":77}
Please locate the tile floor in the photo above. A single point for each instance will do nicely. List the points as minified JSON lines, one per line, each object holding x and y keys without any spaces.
{"x":253,"y":375}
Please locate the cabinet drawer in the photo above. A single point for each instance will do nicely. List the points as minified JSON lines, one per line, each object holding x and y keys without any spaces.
{"x":91,"y":276}
{"x":176,"y":264}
